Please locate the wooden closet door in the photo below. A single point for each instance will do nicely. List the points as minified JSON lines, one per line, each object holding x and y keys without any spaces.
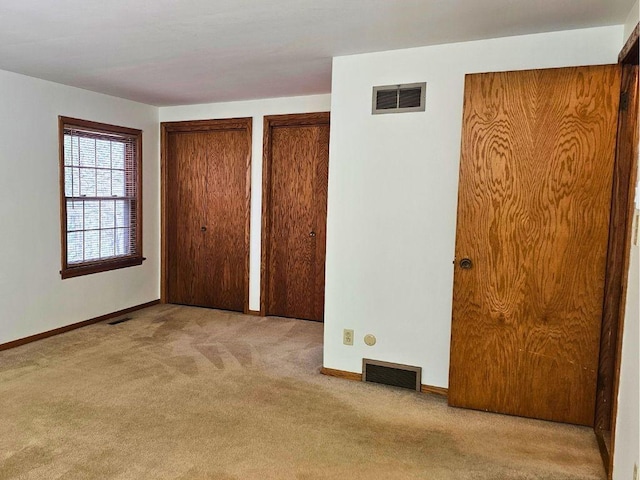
{"x":187,"y":213}
{"x":297,"y":172}
{"x":227,"y":199}
{"x":533,"y":218}
{"x":207,"y":214}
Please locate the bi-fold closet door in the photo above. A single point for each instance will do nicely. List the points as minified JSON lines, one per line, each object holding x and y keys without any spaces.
{"x":206,"y":198}
{"x":206,"y":215}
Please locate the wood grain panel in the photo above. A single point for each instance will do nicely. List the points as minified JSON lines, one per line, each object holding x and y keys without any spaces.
{"x":294,"y":215}
{"x":187,"y":212}
{"x":225,"y":221}
{"x":533,"y":213}
{"x":206,"y":197}
{"x":320,"y":196}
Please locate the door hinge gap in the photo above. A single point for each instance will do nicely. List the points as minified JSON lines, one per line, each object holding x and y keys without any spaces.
{"x":624,"y":101}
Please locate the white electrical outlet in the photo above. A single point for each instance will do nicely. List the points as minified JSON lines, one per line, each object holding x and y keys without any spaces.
{"x":347,"y":337}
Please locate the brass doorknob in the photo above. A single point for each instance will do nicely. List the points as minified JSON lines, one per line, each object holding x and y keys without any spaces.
{"x":466,"y":263}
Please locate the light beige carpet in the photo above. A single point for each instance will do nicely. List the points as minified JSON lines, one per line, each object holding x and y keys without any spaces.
{"x":189,"y":393}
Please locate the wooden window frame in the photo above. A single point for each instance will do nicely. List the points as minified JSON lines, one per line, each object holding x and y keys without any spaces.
{"x":113,"y":263}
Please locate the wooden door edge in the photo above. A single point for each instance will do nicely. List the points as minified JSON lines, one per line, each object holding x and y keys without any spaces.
{"x":605,"y":453}
{"x":615,"y":255}
{"x":247,"y":214}
{"x":625,"y":270}
{"x":264,"y":216}
{"x":242,"y":123}
{"x":451,"y":398}
{"x":164,"y":177}
{"x":270,"y":121}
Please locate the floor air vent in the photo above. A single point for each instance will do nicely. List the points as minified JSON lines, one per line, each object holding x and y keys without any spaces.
{"x":393,"y":374}
{"x":119,"y":320}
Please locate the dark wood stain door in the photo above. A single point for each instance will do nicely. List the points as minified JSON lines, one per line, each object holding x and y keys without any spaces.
{"x":207,"y":215}
{"x":187,"y":215}
{"x":533,"y":218}
{"x":296,"y":166}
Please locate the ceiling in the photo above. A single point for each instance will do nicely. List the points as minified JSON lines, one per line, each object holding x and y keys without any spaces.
{"x":176,"y":52}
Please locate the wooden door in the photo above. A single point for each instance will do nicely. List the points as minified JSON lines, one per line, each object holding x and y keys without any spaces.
{"x":533,"y":219}
{"x":207,"y":195}
{"x":187,"y":214}
{"x":294,"y":216}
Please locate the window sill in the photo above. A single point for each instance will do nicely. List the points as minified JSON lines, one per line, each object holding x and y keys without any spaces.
{"x":89,"y":268}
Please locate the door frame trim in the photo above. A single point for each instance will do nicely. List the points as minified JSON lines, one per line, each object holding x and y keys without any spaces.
{"x":618,"y":267}
{"x":271,"y":121}
{"x":167,"y":128}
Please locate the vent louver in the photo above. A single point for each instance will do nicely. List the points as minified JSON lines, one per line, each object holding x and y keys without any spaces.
{"x":399,"y":98}
{"x":386,"y":99}
{"x":394,"y":374}
{"x":120,"y":320}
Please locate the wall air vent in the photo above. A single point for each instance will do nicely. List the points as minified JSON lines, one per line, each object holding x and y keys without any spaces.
{"x":399,"y":98}
{"x":393,"y":374}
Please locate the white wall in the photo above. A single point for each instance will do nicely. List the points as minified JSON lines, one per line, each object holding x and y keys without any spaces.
{"x":33,"y":297}
{"x":632,"y":20}
{"x":256,"y":109}
{"x":627,"y":445}
{"x":393,"y":192}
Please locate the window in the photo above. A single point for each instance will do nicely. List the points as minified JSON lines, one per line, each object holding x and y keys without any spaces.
{"x":101,"y":201}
